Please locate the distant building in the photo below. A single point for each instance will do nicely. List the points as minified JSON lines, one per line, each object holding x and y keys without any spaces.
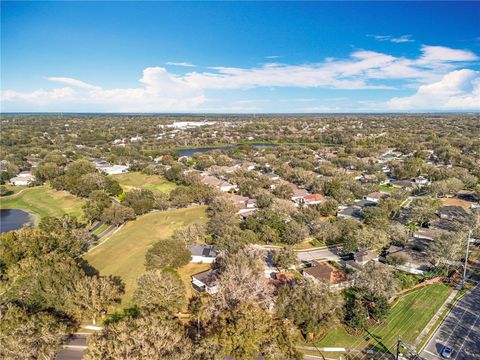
{"x":451,"y":212}
{"x":206,"y":281}
{"x":202,"y":253}
{"x":114,"y":169}
{"x":376,"y":196}
{"x":313,"y":199}
{"x":217,"y":183}
{"x":25,"y":178}
{"x":136,"y":139}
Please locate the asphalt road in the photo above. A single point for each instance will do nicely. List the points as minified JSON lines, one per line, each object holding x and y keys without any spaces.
{"x":329,"y":254}
{"x":73,"y":349}
{"x":460,"y":331}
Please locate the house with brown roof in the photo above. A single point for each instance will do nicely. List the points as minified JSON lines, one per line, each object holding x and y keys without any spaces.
{"x":325,"y":272}
{"x":214,"y":182}
{"x":313,"y":199}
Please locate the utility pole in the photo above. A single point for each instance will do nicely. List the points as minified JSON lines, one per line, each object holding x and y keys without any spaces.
{"x":466,"y":259}
{"x":399,"y":341}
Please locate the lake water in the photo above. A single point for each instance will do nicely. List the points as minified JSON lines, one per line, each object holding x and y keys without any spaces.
{"x":190,"y":152}
{"x":12,"y":219}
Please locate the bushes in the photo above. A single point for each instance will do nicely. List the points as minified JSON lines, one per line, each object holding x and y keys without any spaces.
{"x":167,"y":253}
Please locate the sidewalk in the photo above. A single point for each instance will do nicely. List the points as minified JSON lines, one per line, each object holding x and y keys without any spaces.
{"x":434,"y":319}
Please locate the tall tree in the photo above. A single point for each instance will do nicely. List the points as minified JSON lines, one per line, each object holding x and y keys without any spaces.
{"x":148,"y":337}
{"x":160,"y":290}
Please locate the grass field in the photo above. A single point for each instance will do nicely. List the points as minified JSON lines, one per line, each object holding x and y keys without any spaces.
{"x":43,"y":201}
{"x":137,"y":180}
{"x":408,"y":316}
{"x":123,"y":254}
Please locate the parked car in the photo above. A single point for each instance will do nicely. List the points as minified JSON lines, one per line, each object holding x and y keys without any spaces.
{"x":447,"y":352}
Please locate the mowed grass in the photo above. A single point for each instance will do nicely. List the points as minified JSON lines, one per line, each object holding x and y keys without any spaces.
{"x":137,"y":180}
{"x":44,"y":201}
{"x":123,"y":254}
{"x":407,"y":318}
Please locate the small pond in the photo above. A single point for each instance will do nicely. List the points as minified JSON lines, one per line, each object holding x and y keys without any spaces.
{"x":190,"y":152}
{"x":12,"y":219}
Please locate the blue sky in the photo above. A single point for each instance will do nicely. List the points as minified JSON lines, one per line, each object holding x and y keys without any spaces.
{"x":240,"y":57}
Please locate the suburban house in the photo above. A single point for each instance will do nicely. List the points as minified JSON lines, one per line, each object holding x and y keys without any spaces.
{"x":299,"y":195}
{"x":212,"y":181}
{"x":136,"y":138}
{"x":403,"y":184}
{"x":325,"y":272}
{"x":376,"y":196}
{"x":244,"y":203}
{"x":363,"y":256}
{"x":421,"y":181}
{"x":23,"y":179}
{"x":202,"y":253}
{"x":451,"y":212}
{"x":114,"y":169}
{"x":206,"y":281}
{"x":406,"y":259}
{"x":313,"y":199}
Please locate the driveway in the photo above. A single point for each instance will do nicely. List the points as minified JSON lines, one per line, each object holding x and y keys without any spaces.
{"x":460,"y":330}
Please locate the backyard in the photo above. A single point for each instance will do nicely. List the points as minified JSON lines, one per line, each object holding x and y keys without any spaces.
{"x":123,"y":254}
{"x":137,"y":180}
{"x":407,"y":318}
{"x":43,"y":201}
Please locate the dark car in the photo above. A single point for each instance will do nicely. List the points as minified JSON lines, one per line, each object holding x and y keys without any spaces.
{"x":447,"y":352}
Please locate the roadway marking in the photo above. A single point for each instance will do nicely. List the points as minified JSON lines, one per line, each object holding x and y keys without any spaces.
{"x":466,"y":336}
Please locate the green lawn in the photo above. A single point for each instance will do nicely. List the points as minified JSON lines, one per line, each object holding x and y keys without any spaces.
{"x":43,"y":201}
{"x":408,"y":316}
{"x":124,"y":253}
{"x":154,"y":183}
{"x":386,"y":188}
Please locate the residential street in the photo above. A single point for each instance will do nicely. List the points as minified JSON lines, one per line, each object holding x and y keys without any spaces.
{"x":329,"y":254}
{"x":460,"y":331}
{"x":74,"y":348}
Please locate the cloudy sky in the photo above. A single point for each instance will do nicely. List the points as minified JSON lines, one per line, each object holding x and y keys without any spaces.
{"x":240,"y":57}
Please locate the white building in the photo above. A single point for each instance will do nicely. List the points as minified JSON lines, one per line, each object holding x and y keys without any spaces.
{"x":114,"y":169}
{"x":23,"y":179}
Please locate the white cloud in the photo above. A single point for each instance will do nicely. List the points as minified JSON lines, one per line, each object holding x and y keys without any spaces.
{"x":183,"y":63}
{"x":441,"y":54}
{"x":273,"y":57}
{"x":393,"y":39}
{"x":161,"y":90}
{"x":72,"y":82}
{"x":457,"y":90}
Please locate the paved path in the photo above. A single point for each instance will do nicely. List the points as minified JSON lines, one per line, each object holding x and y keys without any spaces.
{"x":434,"y":319}
{"x":460,"y":330}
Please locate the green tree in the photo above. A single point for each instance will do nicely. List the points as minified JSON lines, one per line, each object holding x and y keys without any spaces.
{"x":167,"y":253}
{"x":92,"y":295}
{"x":309,"y":305}
{"x":117,"y":214}
{"x":285,"y":258}
{"x":160,"y":290}
{"x":140,"y":200}
{"x":25,"y":335}
{"x":147,"y":337}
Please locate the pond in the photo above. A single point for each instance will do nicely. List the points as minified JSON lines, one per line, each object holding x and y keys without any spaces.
{"x":12,"y":219}
{"x":190,"y":152}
